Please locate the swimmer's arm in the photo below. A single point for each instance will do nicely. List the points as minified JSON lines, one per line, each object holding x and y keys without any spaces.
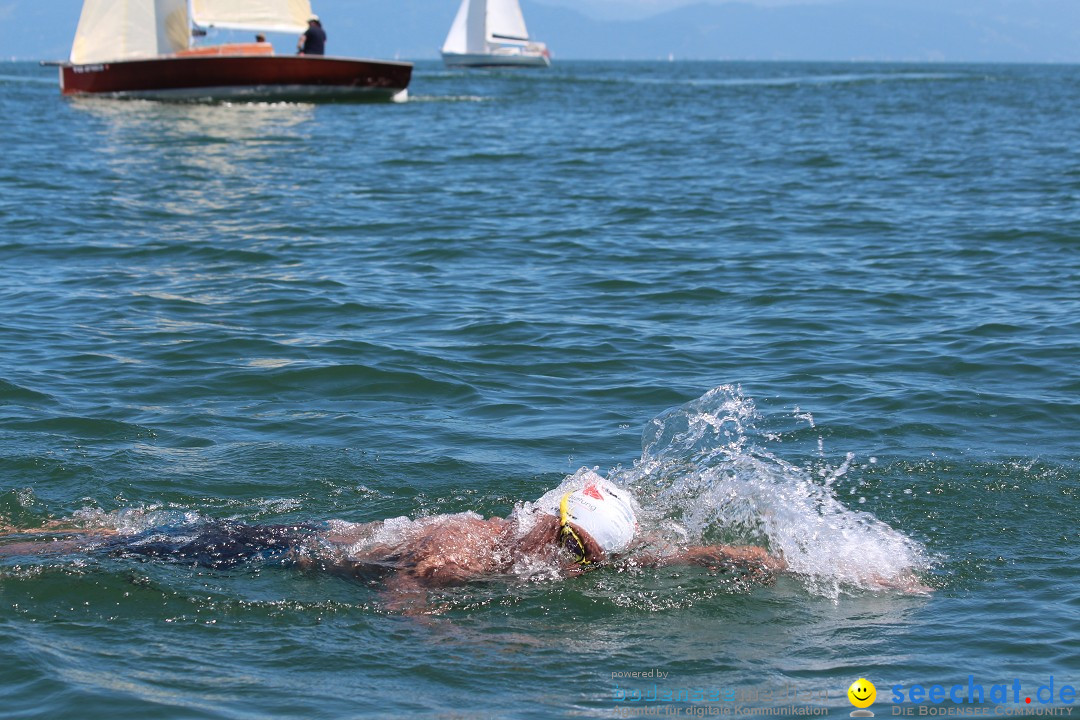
{"x":52,"y":538}
{"x":404,"y":593}
{"x":348,"y":533}
{"x":715,"y":557}
{"x":542,"y":534}
{"x":56,"y":527}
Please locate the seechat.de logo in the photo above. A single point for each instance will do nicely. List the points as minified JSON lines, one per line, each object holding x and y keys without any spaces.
{"x":862,"y":694}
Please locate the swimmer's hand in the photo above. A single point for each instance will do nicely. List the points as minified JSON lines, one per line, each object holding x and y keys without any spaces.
{"x":905,"y":582}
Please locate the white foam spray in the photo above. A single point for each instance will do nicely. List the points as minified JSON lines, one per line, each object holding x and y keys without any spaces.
{"x":706,"y":476}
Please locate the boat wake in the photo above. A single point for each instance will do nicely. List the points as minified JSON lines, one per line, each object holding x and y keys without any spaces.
{"x":706,"y":475}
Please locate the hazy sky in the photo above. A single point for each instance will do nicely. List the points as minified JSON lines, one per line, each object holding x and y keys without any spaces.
{"x":643,"y":8}
{"x":887,"y":30}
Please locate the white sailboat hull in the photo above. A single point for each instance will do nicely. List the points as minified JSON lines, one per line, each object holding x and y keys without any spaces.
{"x":497,"y":59}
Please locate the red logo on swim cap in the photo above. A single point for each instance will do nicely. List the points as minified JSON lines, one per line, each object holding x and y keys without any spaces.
{"x":592,"y":492}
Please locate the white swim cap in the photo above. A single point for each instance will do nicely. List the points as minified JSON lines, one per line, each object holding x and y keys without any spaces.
{"x":602,"y":510}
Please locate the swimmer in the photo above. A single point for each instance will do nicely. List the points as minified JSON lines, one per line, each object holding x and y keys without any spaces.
{"x":573,"y":529}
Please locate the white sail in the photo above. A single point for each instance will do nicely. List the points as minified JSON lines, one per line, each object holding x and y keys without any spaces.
{"x":130,"y":29}
{"x":476,"y":32}
{"x":489,"y":33}
{"x":505,"y":23}
{"x":267,"y":15}
{"x":457,"y":38}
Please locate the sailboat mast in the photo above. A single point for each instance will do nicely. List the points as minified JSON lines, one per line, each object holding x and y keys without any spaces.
{"x":194,"y":30}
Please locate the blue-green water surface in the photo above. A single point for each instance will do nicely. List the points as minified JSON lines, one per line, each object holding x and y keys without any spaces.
{"x":782,"y":302}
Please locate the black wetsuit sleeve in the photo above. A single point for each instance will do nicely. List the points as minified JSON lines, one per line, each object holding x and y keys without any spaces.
{"x":216,"y":544}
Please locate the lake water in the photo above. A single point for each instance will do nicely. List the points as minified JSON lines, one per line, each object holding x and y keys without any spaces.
{"x":832,"y":308}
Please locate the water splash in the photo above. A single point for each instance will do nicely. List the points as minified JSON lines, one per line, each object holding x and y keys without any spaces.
{"x":706,"y":475}
{"x":133,"y":520}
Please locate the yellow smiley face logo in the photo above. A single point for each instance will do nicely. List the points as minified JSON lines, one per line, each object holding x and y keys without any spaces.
{"x":862,"y":693}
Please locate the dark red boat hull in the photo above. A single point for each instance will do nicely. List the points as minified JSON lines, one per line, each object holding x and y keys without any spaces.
{"x":214,"y":77}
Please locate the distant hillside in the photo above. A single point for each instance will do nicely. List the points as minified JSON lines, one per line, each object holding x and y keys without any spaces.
{"x":920,"y":30}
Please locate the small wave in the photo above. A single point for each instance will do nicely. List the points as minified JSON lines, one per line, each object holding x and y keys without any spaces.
{"x":28,"y":79}
{"x":776,"y":81}
{"x":836,"y":79}
{"x":84,"y":427}
{"x":17,"y":394}
{"x":449,"y":98}
{"x":351,"y":380}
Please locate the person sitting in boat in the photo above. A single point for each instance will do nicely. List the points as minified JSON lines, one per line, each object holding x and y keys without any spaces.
{"x":586,"y":523}
{"x":313,"y":41}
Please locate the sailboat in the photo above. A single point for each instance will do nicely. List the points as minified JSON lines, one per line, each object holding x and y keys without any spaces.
{"x":492,"y":33}
{"x":145,"y":48}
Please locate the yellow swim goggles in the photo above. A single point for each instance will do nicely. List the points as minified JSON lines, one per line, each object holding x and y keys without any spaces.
{"x":567,"y":537}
